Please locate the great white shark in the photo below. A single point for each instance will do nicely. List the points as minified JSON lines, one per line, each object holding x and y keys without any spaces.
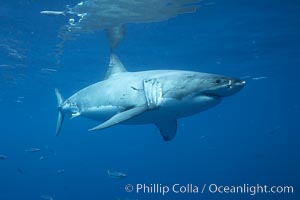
{"x":157,"y":97}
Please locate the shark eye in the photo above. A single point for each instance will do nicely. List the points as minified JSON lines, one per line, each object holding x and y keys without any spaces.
{"x":218,"y":81}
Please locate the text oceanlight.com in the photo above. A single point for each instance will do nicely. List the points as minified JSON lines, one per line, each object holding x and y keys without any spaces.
{"x":207,"y":188}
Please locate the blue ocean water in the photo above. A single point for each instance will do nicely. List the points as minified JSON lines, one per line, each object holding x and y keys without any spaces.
{"x":250,"y":138}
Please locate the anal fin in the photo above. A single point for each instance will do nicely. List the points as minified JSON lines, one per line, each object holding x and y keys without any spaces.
{"x":121,"y":117}
{"x":167,"y":129}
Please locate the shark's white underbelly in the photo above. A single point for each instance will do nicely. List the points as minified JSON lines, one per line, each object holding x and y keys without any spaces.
{"x":169,"y":109}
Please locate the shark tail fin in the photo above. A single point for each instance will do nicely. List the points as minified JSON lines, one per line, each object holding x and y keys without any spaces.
{"x":61,"y":115}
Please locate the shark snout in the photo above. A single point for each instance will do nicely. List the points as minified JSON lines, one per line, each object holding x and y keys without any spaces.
{"x":236,"y":83}
{"x":224,"y":86}
{"x":233,"y":86}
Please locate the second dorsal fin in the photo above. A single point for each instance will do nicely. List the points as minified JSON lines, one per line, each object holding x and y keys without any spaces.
{"x":115,"y":66}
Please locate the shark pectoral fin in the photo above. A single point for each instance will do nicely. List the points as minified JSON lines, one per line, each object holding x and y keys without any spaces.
{"x":167,"y":129}
{"x":121,"y":117}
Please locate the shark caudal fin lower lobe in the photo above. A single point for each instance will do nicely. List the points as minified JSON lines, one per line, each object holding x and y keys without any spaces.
{"x":61,"y":115}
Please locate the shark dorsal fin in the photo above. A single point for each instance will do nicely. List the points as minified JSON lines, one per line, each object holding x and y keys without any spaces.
{"x":115,"y":66}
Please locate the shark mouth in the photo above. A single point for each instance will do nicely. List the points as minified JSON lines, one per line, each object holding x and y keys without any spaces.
{"x":212,"y":95}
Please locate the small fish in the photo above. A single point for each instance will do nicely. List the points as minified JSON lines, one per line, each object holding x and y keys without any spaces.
{"x":116,"y":174}
{"x":46,"y":197}
{"x":259,"y":78}
{"x":60,"y":171}
{"x":254,"y":78}
{"x":20,"y":171}
{"x":4,"y":66}
{"x":42,"y":158}
{"x":3,"y":157}
{"x":32,"y":150}
{"x":202,"y":137}
{"x":51,"y":12}
{"x":49,"y":70}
